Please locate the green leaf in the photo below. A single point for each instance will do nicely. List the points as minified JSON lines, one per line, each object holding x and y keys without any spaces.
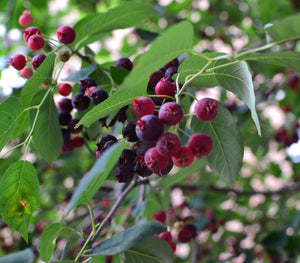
{"x":275,"y":241}
{"x":237,"y":79}
{"x":47,"y":136}
{"x":226,"y":156}
{"x":23,"y":256}
{"x":289,"y":60}
{"x":10,"y":110}
{"x":118,"y":74}
{"x":80,"y":74}
{"x":175,"y":41}
{"x":122,"y":16}
{"x":285,"y":29}
{"x":19,"y":196}
{"x":181,"y":174}
{"x":93,"y":180}
{"x":151,"y":250}
{"x":128,"y":238}
{"x":48,"y":239}
{"x":93,"y":131}
{"x":146,"y":35}
{"x":40,"y":75}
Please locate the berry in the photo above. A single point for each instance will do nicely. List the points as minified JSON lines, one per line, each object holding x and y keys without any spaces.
{"x":86,"y":83}
{"x":192,"y":228}
{"x":68,"y":147}
{"x":66,"y":135}
{"x":64,"y":89}
{"x":71,"y":126}
{"x":65,"y":104}
{"x":26,"y":18}
{"x":155,"y":161}
{"x":126,"y":160}
{"x":26,"y":72}
{"x":155,"y":77}
{"x":64,"y":56}
{"x":77,"y":141}
{"x":123,"y":176}
{"x":173,"y":246}
{"x":124,"y":63}
{"x":64,"y":117}
{"x":129,"y":133}
{"x":170,"y":72}
{"x":166,"y":236}
{"x":200,"y":144}
{"x":293,"y":81}
{"x":37,"y":60}
{"x":65,"y":34}
{"x":104,"y":139}
{"x":174,"y":62}
{"x":167,"y":169}
{"x":206,"y":109}
{"x":18,"y":61}
{"x":149,"y":128}
{"x":143,"y":106}
{"x":170,"y":113}
{"x":141,"y":169}
{"x":168,"y":144}
{"x":165,"y":87}
{"x":30,"y":31}
{"x":184,"y":236}
{"x":184,"y":157}
{"x":98,"y":95}
{"x":160,"y":216}
{"x":35,"y":42}
{"x":80,"y":101}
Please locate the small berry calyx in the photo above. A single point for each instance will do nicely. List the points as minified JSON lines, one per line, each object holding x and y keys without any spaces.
{"x":143,"y":106}
{"x":37,"y":60}
{"x":200,"y":144}
{"x":64,"y":89}
{"x":18,"y":61}
{"x":35,"y":42}
{"x":66,"y":34}
{"x":26,"y":18}
{"x":160,"y":216}
{"x":206,"y":109}
{"x":124,"y":63}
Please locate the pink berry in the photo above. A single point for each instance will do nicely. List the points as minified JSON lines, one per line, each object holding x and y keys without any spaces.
{"x":206,"y":109}
{"x":30,"y":31}
{"x":155,"y":161}
{"x":170,"y":113}
{"x":26,"y":72}
{"x":65,"y":34}
{"x":18,"y":61}
{"x":143,"y":106}
{"x":201,"y":144}
{"x":165,"y":87}
{"x":168,"y":144}
{"x":184,"y":157}
{"x":160,"y":216}
{"x":26,"y":18}
{"x":64,"y":89}
{"x":35,"y":42}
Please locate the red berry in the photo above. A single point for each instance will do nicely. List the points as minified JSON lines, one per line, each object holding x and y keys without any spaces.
{"x":165,"y":87}
{"x":66,"y":34}
{"x":184,"y":157}
{"x":166,"y":236}
{"x":192,"y":228}
{"x":77,"y":141}
{"x":184,"y":236}
{"x":64,"y":89}
{"x":173,"y":246}
{"x":26,"y":72}
{"x":293,"y":81}
{"x":35,"y":42}
{"x":30,"y":31}
{"x":168,"y":144}
{"x":18,"y":61}
{"x":26,"y":18}
{"x":206,"y":109}
{"x":201,"y":144}
{"x":159,"y":216}
{"x":143,"y":106}
{"x":155,"y":161}
{"x":170,"y":113}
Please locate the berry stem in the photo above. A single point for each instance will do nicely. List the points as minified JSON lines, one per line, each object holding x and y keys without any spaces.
{"x":181,"y":130}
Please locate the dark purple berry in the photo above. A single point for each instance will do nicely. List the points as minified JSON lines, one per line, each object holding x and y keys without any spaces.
{"x":124,"y":63}
{"x":65,"y":104}
{"x":104,"y":139}
{"x":141,"y":169}
{"x":64,"y":117}
{"x":174,"y":62}
{"x":168,"y":144}
{"x":71,"y":126}
{"x":123,"y":176}
{"x":126,"y":160}
{"x":37,"y":60}
{"x":80,"y":101}
{"x":86,"y":83}
{"x":201,"y":144}
{"x":155,"y":77}
{"x":98,"y":95}
{"x":170,"y":72}
{"x":129,"y":133}
{"x":206,"y":109}
{"x":170,"y":113}
{"x":149,"y":128}
{"x":184,"y":236}
{"x":167,"y":169}
{"x":66,"y":135}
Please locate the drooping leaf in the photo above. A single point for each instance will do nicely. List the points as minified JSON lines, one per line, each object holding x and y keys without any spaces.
{"x":10,"y":111}
{"x":122,"y":16}
{"x":174,"y":42}
{"x":47,"y":136}
{"x":237,"y":79}
{"x":226,"y":156}
{"x":151,"y":250}
{"x":40,"y":75}
{"x":145,"y":35}
{"x":19,"y":196}
{"x":285,"y":29}
{"x":48,"y":239}
{"x":128,"y":238}
{"x":93,"y":180}
{"x":118,"y":74}
{"x":23,"y":256}
{"x":80,"y":74}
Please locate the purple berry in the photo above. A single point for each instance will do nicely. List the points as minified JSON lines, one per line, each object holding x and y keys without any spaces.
{"x":168,"y":144}
{"x":65,"y":104}
{"x":149,"y":128}
{"x":124,"y":63}
{"x":170,"y":113}
{"x":86,"y":83}
{"x":206,"y":109}
{"x":64,"y":117}
{"x":129,"y":133}
{"x":37,"y":60}
{"x":80,"y":101}
{"x":98,"y":95}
